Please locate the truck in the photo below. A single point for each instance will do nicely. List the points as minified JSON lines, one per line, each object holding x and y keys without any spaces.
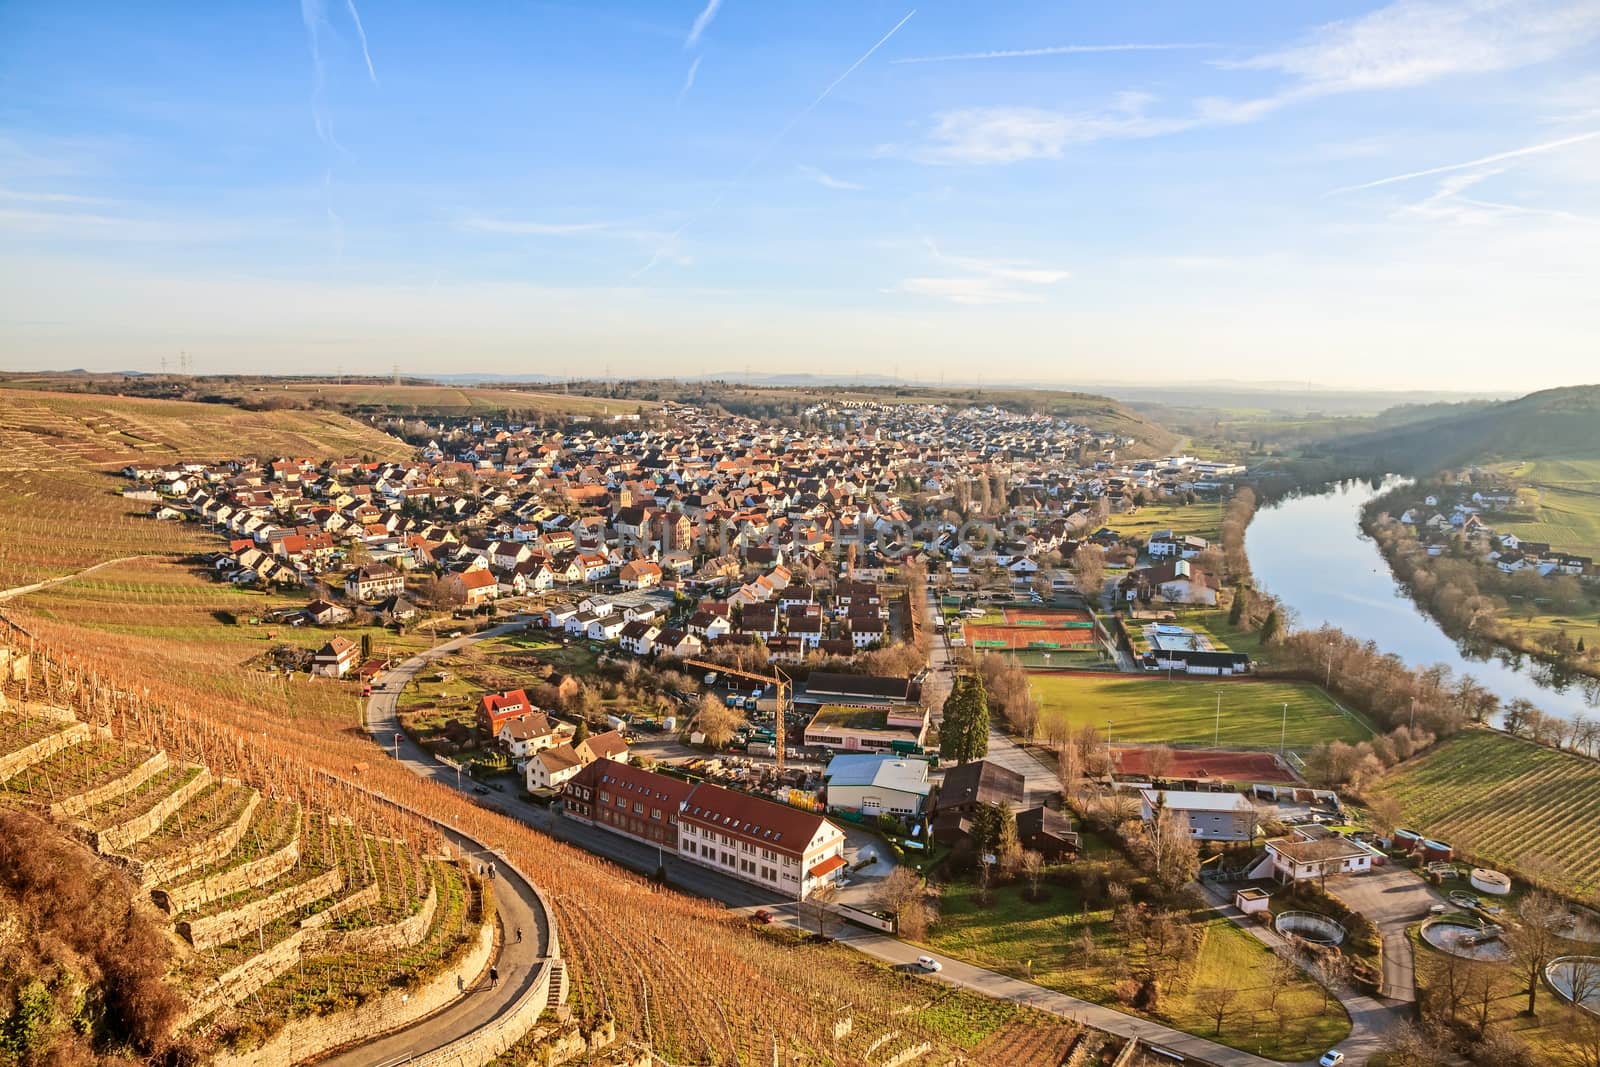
{"x":711,"y":678}
{"x":761,"y":748}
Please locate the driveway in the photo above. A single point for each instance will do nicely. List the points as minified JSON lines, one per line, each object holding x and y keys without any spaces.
{"x":1393,"y":898}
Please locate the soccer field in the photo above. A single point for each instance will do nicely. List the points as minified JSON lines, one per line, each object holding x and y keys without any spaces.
{"x":1151,"y":709}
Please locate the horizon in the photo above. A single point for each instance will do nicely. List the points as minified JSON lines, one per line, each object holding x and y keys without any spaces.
{"x":1382,"y":197}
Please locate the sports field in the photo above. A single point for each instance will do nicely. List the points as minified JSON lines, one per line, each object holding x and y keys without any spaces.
{"x":1206,"y":763}
{"x":1033,"y":628}
{"x":1150,"y":709}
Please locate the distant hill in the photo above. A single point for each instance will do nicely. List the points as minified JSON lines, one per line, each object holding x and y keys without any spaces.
{"x":1555,"y":423}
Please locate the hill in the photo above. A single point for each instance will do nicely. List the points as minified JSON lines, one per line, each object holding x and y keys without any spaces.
{"x":60,"y":509}
{"x":776,"y":402}
{"x":1553,"y":424}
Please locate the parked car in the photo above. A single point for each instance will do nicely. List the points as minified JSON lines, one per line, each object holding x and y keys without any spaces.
{"x":762,"y":915}
{"x":929,"y":964}
{"x":1332,"y":1058}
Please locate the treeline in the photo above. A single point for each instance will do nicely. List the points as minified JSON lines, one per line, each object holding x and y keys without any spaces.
{"x":1469,"y":597}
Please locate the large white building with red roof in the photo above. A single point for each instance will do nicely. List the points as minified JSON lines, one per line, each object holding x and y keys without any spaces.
{"x":789,"y":851}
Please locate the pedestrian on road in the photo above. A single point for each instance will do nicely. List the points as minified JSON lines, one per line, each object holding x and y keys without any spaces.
{"x":491,"y":872}
{"x":494,"y":977}
{"x":519,"y":935}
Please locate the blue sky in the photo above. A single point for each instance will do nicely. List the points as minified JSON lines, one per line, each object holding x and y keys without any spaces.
{"x":1403,"y":194}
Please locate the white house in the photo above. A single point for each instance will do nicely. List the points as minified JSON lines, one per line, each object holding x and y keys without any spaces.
{"x":790,"y":851}
{"x":1308,"y":853}
{"x":552,"y":767}
{"x":874,"y":785}
{"x":1211,"y":816}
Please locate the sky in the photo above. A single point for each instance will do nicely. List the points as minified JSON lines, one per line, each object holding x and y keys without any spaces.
{"x":1362,"y":195}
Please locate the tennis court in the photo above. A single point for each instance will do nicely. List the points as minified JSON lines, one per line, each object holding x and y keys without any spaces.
{"x":1034,"y":628}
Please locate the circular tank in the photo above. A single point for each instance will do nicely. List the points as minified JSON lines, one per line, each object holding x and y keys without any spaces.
{"x":1309,"y":926}
{"x":1460,"y":936}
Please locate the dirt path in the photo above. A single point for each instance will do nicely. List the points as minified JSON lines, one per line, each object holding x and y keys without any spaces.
{"x":24,"y":590}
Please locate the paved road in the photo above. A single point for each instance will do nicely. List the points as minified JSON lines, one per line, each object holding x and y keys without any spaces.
{"x":993,"y":984}
{"x":1393,"y":898}
{"x":1372,"y":1020}
{"x":516,"y":905}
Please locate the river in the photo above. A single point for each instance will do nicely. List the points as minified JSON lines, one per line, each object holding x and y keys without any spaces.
{"x":1309,"y":551}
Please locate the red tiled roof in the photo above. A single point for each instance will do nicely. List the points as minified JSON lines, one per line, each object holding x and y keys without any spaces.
{"x":761,"y":822}
{"x":827,"y":866}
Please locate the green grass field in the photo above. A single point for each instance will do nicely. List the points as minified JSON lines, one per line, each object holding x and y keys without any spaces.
{"x":1202,"y":519}
{"x":1568,"y":514}
{"x":1040,"y":942}
{"x":1506,"y":801}
{"x":1148,"y":708}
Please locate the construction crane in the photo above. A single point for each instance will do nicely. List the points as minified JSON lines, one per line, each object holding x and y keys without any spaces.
{"x":779,"y":681}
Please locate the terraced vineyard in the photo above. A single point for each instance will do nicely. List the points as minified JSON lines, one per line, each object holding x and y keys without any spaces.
{"x":1507,"y":802}
{"x":278,"y":913}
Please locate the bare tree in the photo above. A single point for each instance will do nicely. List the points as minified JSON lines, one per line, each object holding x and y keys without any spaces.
{"x":1032,"y":866}
{"x":1534,"y":941}
{"x":1089,"y":570}
{"x":1159,"y":758}
{"x":817,"y":907}
{"x":899,"y":895}
{"x":1219,"y":1000}
{"x":717,"y":720}
{"x":1170,"y":849}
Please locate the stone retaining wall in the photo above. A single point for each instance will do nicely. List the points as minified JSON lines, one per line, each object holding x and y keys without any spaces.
{"x":306,"y":1038}
{"x":136,"y":829}
{"x":234,"y":985}
{"x":361,"y":898}
{"x":207,"y":850}
{"x":372,"y":940}
{"x":44,"y":748}
{"x":226,"y":926}
{"x":191,"y":895}
{"x":75,"y":806}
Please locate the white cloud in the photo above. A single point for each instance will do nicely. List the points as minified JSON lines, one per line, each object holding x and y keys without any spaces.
{"x":525,"y":228}
{"x":702,"y":21}
{"x":828,"y":181}
{"x":1408,"y":43}
{"x":986,"y":281}
{"x":987,"y":135}
{"x":361,"y":32}
{"x":48,"y":198}
{"x":1417,"y":41}
{"x":1053,"y":50}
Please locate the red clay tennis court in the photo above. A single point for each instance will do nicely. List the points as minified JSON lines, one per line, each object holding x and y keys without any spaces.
{"x":1039,"y":628}
{"x":1228,"y":766}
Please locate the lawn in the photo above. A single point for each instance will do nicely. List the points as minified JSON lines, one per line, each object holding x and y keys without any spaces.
{"x":1041,"y":942}
{"x":1150,"y":709}
{"x":1201,"y":519}
{"x":1507,"y":801}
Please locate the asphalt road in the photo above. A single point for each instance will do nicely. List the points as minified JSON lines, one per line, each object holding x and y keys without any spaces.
{"x":516,"y":905}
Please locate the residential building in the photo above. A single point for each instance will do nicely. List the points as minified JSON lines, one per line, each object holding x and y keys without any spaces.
{"x":336,"y":659}
{"x":1210,"y":816}
{"x":375,"y":582}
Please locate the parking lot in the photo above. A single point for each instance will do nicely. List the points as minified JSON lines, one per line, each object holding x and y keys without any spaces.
{"x":1393,"y":898}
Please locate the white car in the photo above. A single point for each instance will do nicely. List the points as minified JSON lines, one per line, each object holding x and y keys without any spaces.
{"x":1331,"y":1058}
{"x":930,"y":965}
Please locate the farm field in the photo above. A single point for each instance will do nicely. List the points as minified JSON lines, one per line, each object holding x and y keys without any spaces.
{"x":1151,"y":710}
{"x":1507,"y":801}
{"x":1202,"y":519}
{"x":1041,"y":942}
{"x":1568,"y":512}
{"x":60,"y":508}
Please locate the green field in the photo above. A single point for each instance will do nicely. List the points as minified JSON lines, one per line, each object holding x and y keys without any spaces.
{"x":1568,"y":513}
{"x":1040,"y":942}
{"x":1148,"y":708}
{"x":1202,"y":519}
{"x":1506,"y":801}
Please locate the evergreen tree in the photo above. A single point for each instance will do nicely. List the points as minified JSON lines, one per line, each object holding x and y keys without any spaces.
{"x":366,"y":647}
{"x":582,"y":731}
{"x":1235,"y":613}
{"x":1269,"y":628}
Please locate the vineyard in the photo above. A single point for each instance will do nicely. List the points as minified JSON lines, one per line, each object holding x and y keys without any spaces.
{"x":60,"y":504}
{"x":1506,"y":801}
{"x":681,"y":974}
{"x":279,"y":909}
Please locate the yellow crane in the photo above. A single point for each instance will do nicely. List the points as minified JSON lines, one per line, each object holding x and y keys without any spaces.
{"x":779,"y":681}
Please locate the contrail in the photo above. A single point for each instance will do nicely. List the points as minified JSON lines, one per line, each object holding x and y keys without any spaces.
{"x":688,"y":81}
{"x":701,"y":22}
{"x":362,"y":33}
{"x":716,"y":201}
{"x":1548,"y":146}
{"x":1054,"y":50}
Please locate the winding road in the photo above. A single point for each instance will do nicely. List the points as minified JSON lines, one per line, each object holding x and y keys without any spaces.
{"x":24,"y":590}
{"x":517,"y":908}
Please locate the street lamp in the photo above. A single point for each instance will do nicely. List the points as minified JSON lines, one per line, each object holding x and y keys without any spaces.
{"x":1283,"y":729}
{"x":1216,"y":737}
